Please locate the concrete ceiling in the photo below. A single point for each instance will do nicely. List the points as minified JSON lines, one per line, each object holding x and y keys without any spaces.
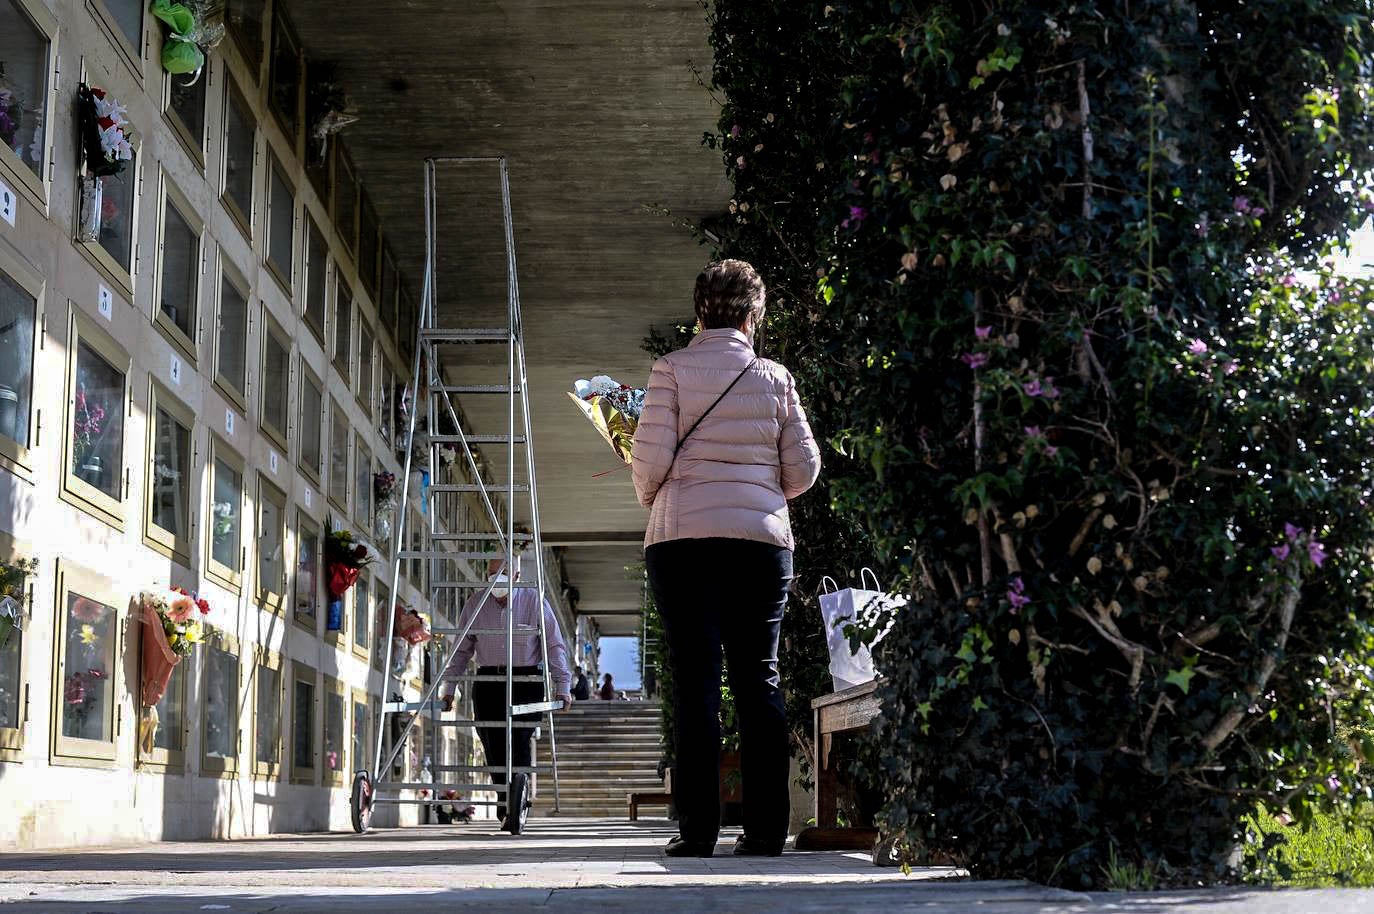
{"x":598,"y":107}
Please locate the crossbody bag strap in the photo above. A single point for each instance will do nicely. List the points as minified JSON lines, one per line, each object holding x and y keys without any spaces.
{"x":723,"y":393}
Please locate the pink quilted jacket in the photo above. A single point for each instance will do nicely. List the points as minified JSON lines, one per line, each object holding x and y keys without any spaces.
{"x":754,"y":452}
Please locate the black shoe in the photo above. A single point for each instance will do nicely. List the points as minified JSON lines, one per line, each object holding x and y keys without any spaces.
{"x":681,"y":847}
{"x":748,"y":847}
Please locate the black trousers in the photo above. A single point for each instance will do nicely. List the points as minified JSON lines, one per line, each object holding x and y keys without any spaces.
{"x":489,"y":703}
{"x":725,"y":595}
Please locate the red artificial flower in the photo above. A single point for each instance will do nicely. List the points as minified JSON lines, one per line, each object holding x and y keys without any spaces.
{"x":360,"y":552}
{"x":105,"y":123}
{"x":98,"y":93}
{"x":204,"y":605}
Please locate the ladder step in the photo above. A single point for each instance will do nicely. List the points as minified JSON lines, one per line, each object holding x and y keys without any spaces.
{"x":431,"y":801}
{"x":468,"y":487}
{"x":519,"y":630}
{"x":456,"y":556}
{"x":476,"y":585}
{"x":490,"y":769}
{"x":495,"y":678}
{"x":409,"y":707}
{"x":421,"y":785}
{"x":476,"y":537}
{"x":466,"y":335}
{"x":472,"y":389}
{"x":498,"y":724}
{"x":477,"y":439}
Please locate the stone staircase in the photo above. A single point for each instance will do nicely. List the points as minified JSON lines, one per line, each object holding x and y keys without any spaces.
{"x":606,"y":751}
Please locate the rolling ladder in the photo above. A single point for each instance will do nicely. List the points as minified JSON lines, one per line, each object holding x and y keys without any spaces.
{"x":450,"y":553}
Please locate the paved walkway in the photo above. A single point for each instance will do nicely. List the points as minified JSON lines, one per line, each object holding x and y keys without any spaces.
{"x":589,"y":866}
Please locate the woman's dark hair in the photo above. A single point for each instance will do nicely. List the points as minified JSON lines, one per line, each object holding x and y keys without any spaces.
{"x":728,"y":293}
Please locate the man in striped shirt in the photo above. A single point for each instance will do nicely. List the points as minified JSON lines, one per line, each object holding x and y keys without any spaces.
{"x":487,"y":643}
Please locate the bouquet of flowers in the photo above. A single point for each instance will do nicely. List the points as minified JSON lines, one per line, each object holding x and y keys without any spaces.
{"x":346,"y":557}
{"x":12,"y":579}
{"x":177,"y":612}
{"x":104,"y":132}
{"x":613,"y":408}
{"x":89,"y":421}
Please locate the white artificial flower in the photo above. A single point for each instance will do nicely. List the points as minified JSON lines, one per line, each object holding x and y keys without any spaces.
{"x":108,"y":107}
{"x":115,"y":144}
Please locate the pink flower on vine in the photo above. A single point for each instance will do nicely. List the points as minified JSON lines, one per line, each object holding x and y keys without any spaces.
{"x":1289,"y":281}
{"x":1292,"y":531}
{"x":857,"y":214}
{"x":735,"y":131}
{"x":974,"y":360}
{"x":1197,"y":347}
{"x":982,"y":332}
{"x":1016,"y":595}
{"x":1033,"y":388}
{"x":1316,"y":553}
{"x":1033,"y":432}
{"x":1281,"y":552}
{"x":1051,"y":451}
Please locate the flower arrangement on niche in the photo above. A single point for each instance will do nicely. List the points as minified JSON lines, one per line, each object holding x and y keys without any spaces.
{"x":87,"y":424}
{"x":173,"y":624}
{"x":105,"y":131}
{"x":346,"y":558}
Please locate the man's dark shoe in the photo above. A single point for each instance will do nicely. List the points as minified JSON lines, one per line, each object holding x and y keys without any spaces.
{"x":748,"y":847}
{"x":681,"y":847}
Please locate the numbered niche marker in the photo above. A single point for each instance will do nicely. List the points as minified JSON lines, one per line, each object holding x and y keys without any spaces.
{"x":229,"y":421}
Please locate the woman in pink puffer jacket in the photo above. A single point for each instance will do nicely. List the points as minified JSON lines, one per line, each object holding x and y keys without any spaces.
{"x":722,"y":445}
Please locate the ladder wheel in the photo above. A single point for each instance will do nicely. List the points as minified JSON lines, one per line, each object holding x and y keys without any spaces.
{"x":360,"y":802}
{"x":518,"y":803}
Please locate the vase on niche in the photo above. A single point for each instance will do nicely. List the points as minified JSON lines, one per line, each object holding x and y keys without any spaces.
{"x":92,"y":201}
{"x":9,"y":412}
{"x":90,"y":470}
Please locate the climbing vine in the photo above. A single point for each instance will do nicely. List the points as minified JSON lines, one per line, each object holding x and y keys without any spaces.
{"x":1056,"y":281}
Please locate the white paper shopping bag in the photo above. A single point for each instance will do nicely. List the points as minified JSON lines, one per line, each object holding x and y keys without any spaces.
{"x":842,"y":607}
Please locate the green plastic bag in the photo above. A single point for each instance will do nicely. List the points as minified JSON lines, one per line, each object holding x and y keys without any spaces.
{"x":177,"y":16}
{"x":179,"y":53}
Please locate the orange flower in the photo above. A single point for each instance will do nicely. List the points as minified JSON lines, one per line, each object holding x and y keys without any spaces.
{"x":180,"y":609}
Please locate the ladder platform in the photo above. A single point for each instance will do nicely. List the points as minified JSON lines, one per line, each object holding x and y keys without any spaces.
{"x":495,"y":678}
{"x":494,"y":724}
{"x":436,"y":801}
{"x":489,"y":769}
{"x":465,"y":335}
{"x":519,"y":630}
{"x":421,"y":785}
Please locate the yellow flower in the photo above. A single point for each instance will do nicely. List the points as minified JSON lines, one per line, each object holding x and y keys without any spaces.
{"x":193,"y":633}
{"x":88,"y":635}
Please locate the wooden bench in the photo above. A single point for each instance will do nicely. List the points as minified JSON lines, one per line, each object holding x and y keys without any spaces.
{"x":839,"y":712}
{"x":647,"y":798}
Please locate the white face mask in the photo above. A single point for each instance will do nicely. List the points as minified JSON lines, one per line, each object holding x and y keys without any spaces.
{"x":501,"y":587}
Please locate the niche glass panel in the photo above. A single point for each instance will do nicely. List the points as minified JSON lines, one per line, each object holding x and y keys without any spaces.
{"x":88,"y":651}
{"x":24,"y":51}
{"x":98,"y":423}
{"x":17,"y":312}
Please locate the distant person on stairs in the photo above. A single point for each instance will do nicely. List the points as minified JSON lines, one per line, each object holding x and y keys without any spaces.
{"x":722,"y":445}
{"x":608,"y":689}
{"x":489,"y":696}
{"x":582,"y":688}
